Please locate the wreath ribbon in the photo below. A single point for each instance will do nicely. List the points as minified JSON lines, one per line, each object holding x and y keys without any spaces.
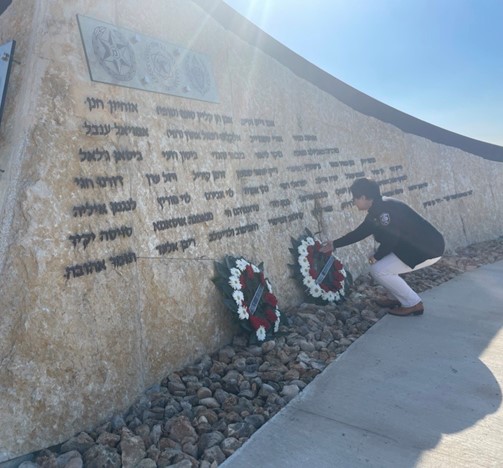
{"x":323,"y":276}
{"x":325,"y":269}
{"x":256,"y":298}
{"x":240,"y":280}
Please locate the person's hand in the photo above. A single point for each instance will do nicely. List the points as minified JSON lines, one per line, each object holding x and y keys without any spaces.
{"x":372,"y":260}
{"x":326,"y":247}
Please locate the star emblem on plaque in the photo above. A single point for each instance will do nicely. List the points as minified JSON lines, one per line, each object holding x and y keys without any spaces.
{"x":114,"y":54}
{"x":122,"y":57}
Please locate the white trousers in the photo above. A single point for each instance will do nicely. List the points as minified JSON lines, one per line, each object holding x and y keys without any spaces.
{"x":386,"y":271}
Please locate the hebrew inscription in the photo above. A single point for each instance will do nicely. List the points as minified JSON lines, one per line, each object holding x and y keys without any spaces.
{"x":212,"y":178}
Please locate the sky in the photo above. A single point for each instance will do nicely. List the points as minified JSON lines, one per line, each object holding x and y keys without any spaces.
{"x":438,"y":60}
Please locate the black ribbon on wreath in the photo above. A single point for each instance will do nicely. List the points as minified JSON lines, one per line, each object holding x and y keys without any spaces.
{"x":248,"y":294}
{"x":323,"y":276}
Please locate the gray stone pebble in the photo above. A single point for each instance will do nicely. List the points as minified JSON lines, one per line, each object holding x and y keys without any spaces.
{"x":200,"y":415}
{"x":72,"y":459}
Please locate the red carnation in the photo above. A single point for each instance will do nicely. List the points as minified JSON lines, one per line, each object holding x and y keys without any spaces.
{"x":271,"y":316}
{"x":249,"y":271}
{"x":339,"y":276}
{"x":270,"y":299}
{"x":313,"y":273}
{"x":257,"y":322}
{"x":242,"y":280}
{"x":338,"y":265}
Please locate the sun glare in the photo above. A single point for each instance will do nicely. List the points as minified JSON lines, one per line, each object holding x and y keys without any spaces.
{"x":257,"y":10}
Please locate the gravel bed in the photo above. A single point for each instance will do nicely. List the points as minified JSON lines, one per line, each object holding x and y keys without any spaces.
{"x":200,"y":415}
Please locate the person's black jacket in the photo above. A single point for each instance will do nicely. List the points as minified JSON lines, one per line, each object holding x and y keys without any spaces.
{"x":399,"y":230}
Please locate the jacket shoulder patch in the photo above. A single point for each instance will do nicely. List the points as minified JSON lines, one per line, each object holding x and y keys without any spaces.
{"x":384,"y":219}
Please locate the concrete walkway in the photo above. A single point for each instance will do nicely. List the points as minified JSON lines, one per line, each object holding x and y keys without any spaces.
{"x":412,"y":392}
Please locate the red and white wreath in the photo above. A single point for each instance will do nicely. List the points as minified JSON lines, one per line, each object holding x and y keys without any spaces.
{"x":248,"y":294}
{"x":323,"y":275}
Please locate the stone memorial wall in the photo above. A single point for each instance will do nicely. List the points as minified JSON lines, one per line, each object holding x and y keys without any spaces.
{"x":138,"y":145}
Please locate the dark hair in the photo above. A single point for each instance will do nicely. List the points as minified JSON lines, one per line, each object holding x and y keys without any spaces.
{"x":367,"y":187}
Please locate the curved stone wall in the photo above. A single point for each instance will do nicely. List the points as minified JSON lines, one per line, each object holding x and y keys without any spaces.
{"x":116,"y":196}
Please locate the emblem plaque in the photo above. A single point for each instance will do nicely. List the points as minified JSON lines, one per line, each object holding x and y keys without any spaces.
{"x":122,"y":57}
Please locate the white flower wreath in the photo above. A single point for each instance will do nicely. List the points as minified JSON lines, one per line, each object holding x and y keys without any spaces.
{"x":243,"y":283}
{"x":322,"y":274}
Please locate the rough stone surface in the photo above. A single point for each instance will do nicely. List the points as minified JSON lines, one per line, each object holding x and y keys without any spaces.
{"x":101,"y":455}
{"x":198,"y":436}
{"x":80,"y":443}
{"x":106,"y":263}
{"x":132,"y":449}
{"x":72,"y":459}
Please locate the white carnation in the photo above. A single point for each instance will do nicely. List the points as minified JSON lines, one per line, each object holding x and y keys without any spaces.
{"x":276,"y":323}
{"x":235,"y":272}
{"x":238,"y":296}
{"x":308,"y":282}
{"x":331,"y":297}
{"x":304,"y":270}
{"x":234,"y":282}
{"x":316,"y":291}
{"x":302,"y":249}
{"x":241,"y":263}
{"x":261,"y":333}
{"x":243,"y":313}
{"x":304,"y":262}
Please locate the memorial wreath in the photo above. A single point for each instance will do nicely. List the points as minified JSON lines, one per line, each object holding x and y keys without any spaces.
{"x":248,"y":295}
{"x":324,"y":277}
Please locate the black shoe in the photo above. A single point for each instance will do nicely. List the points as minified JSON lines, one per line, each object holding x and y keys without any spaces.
{"x":387,"y":303}
{"x":418,"y":309}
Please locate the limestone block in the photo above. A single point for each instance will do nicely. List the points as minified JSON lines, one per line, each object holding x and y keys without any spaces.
{"x":115,"y":202}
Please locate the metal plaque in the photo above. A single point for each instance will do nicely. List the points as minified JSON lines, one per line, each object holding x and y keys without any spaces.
{"x":6,"y":59}
{"x":123,"y":57}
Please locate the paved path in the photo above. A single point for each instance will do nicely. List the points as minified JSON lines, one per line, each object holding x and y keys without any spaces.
{"x":412,"y":392}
